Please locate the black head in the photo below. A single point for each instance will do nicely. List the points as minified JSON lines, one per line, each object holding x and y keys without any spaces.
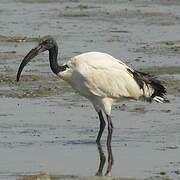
{"x":45,"y":43}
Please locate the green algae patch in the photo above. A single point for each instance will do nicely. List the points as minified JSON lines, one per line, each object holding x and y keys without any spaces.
{"x":36,"y":86}
{"x":11,"y":79}
{"x":157,"y":70}
{"x":54,"y":177}
{"x":77,"y":14}
{"x":18,"y":39}
{"x":43,"y":176}
{"x":31,"y":86}
{"x":47,"y":1}
{"x":165,"y":49}
{"x":172,"y":85}
{"x":80,"y":6}
{"x":72,"y":177}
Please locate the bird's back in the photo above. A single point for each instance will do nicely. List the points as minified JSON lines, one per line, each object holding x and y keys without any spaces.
{"x":98,"y":60}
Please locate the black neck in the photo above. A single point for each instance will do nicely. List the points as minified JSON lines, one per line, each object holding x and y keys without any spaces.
{"x":55,"y":67}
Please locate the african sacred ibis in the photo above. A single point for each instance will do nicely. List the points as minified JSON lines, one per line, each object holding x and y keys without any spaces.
{"x":100,"y":78}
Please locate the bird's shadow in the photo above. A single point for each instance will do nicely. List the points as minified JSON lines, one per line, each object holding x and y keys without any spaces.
{"x":102,"y":162}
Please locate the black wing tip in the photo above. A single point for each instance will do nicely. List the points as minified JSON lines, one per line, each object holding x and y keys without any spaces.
{"x":144,"y":78}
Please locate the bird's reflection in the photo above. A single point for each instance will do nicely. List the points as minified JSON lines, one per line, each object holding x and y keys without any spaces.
{"x":103,"y":160}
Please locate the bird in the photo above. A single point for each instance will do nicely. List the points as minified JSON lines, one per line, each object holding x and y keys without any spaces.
{"x":101,"y":78}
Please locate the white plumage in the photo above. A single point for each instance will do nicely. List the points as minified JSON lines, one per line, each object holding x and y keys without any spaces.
{"x":103,"y":80}
{"x":100,"y":78}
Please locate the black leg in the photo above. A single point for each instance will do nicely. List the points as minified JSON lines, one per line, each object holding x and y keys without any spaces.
{"x":110,"y":130}
{"x":102,"y":125}
{"x":102,"y":160}
{"x":110,"y":161}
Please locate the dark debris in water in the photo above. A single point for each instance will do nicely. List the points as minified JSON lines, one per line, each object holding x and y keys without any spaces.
{"x":122,"y":107}
{"x":138,"y":108}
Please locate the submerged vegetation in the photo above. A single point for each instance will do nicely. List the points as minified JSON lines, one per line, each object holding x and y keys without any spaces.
{"x":18,"y":39}
{"x":33,"y":86}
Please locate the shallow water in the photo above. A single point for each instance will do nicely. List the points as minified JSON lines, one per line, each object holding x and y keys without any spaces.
{"x":46,"y":127}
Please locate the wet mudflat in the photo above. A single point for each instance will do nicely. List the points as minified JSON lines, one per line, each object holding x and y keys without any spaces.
{"x":46,"y":127}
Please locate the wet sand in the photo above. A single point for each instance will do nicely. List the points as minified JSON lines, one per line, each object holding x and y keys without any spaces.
{"x":46,"y":127}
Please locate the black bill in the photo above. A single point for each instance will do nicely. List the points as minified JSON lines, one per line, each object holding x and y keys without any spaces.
{"x":34,"y":52}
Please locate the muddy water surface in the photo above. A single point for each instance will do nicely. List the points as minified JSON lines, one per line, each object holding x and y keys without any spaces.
{"x":46,"y":127}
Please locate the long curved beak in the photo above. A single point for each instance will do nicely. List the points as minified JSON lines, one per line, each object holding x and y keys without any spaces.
{"x":34,"y":52}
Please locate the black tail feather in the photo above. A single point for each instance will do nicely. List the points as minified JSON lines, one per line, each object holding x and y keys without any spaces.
{"x":146,"y":79}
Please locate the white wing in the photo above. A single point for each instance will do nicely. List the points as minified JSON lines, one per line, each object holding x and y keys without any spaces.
{"x":102,"y":75}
